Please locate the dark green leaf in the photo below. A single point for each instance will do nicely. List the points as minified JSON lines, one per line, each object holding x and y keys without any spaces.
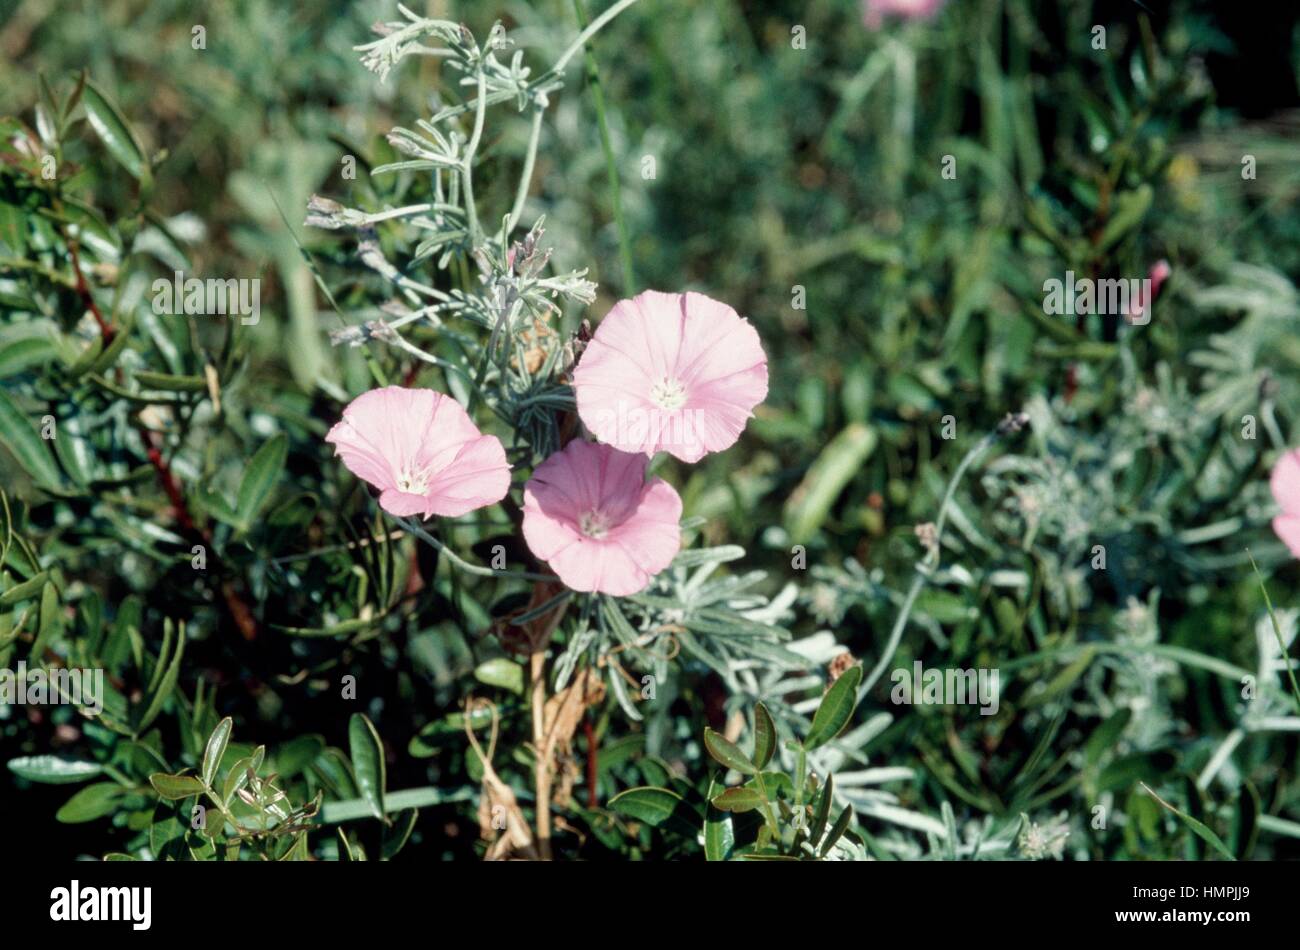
{"x":21,"y":437}
{"x":822,"y":813}
{"x":740,"y":799}
{"x":216,"y":748}
{"x":764,"y":736}
{"x":719,"y":834}
{"x":837,"y":830}
{"x":400,"y":833}
{"x":175,"y":787}
{"x":657,"y":807}
{"x":54,"y":769}
{"x":114,"y":132}
{"x":1201,"y":830}
{"x":263,"y":472}
{"x":836,"y":709}
{"x":368,"y":762}
{"x":727,"y":753}
{"x":501,"y":672}
{"x":167,"y":683}
{"x":93,"y":801}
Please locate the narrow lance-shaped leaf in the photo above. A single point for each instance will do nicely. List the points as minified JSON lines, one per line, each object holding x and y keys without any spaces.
{"x":739,"y":799}
{"x":728,"y":753}
{"x":112,"y":128}
{"x":263,"y":472}
{"x":822,"y":813}
{"x":657,"y":807}
{"x":1198,"y":828}
{"x":836,"y":709}
{"x":167,"y":684}
{"x":53,"y":769}
{"x":837,"y":831}
{"x":368,"y":762}
{"x":20,"y":436}
{"x":93,"y":801}
{"x":50,"y":624}
{"x":216,"y":748}
{"x":175,"y":787}
{"x":764,"y":736}
{"x":719,"y":833}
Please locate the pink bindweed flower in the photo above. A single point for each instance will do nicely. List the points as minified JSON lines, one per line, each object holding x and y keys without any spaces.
{"x":422,"y":451}
{"x":680,"y":373}
{"x":591,"y":515}
{"x":875,"y":11}
{"x":1139,"y":310}
{"x":1285,"y":483}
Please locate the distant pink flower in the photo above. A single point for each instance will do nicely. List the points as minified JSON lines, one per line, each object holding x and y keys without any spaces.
{"x":420,"y":449}
{"x":591,"y":515}
{"x":1286,"y":492}
{"x":680,"y":373}
{"x":1139,"y":310}
{"x":875,"y":11}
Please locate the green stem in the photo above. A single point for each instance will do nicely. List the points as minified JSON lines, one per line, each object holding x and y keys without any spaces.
{"x":611,"y":164}
{"x":926,"y":565}
{"x":467,"y":161}
{"x":590,"y":31}
{"x":526,"y":177}
{"x":1277,"y":631}
{"x":475,"y":569}
{"x":767,"y":808}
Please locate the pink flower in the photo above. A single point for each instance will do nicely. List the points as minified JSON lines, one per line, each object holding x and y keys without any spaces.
{"x":420,"y":449}
{"x":1286,"y":492}
{"x":675,"y":372}
{"x":875,"y":11}
{"x":591,"y":515}
{"x":1139,"y":310}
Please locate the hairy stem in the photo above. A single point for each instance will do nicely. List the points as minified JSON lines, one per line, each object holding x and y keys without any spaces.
{"x":457,"y":561}
{"x":526,"y":176}
{"x":611,"y":163}
{"x":925,"y":567}
{"x":467,"y":161}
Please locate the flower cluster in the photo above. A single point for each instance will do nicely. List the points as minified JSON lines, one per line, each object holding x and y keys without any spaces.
{"x":679,"y":373}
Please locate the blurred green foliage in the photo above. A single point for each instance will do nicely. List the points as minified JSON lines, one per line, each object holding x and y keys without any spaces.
{"x":801,"y":178}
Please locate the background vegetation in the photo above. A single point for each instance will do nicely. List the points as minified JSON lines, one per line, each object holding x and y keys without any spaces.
{"x":802,"y":183}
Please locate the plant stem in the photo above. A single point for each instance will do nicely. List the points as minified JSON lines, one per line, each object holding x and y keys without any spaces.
{"x":467,"y":160}
{"x":611,"y":164}
{"x":767,"y":808}
{"x":541,"y":765}
{"x":927,"y":564}
{"x":1277,"y":631}
{"x":526,"y":176}
{"x":476,"y":569}
{"x":591,"y":30}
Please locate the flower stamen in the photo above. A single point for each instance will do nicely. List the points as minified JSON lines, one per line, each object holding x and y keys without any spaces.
{"x":668,"y":394}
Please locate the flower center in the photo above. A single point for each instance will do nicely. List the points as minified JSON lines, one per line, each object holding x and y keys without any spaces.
{"x":594,"y":524}
{"x":668,"y":394}
{"x":412,"y":482}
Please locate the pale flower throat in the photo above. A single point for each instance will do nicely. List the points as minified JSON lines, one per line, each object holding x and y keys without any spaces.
{"x":413,"y":482}
{"x":668,"y":394}
{"x":594,"y":524}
